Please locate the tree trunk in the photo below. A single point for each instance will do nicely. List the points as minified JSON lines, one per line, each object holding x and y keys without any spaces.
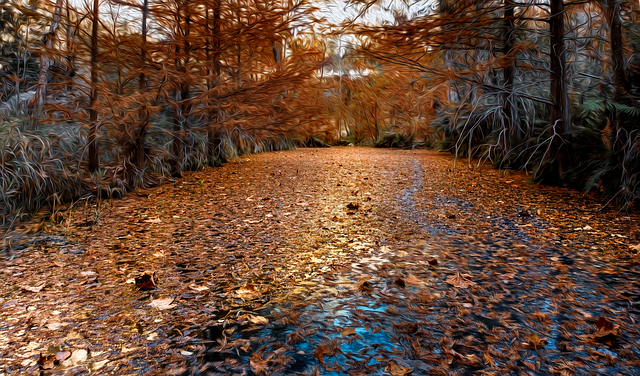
{"x":185,"y":90}
{"x":214,"y":140}
{"x":94,"y":162}
{"x":509,"y":101}
{"x":45,"y":60}
{"x":139,"y":157}
{"x":70,"y":55}
{"x":239,"y":50}
{"x":560,"y":115}
{"x":617,"y":53}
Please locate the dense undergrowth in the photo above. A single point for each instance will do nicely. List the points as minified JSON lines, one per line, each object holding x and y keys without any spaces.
{"x":43,"y":167}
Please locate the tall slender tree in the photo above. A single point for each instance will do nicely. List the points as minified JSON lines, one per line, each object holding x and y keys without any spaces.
{"x":92,"y":139}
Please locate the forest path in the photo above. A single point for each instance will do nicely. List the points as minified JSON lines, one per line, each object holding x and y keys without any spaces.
{"x":335,"y":261}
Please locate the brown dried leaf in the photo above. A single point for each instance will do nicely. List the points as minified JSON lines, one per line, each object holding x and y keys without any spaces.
{"x":37,"y":288}
{"x":146,"y":282}
{"x":397,"y":370}
{"x":535,"y":342}
{"x":460,"y":280}
{"x":258,"y":320}
{"x":605,"y":329}
{"x":163,"y":304}
{"x":46,"y":361}
{"x":412,"y":280}
{"x":348,"y":331}
{"x":62,"y":356}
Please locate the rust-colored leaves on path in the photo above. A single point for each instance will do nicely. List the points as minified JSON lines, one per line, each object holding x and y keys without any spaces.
{"x":347,"y":261}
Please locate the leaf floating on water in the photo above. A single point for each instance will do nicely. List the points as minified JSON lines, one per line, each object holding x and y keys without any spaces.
{"x":163,"y":304}
{"x":397,"y":370}
{"x":460,"y":280}
{"x":348,"y":331}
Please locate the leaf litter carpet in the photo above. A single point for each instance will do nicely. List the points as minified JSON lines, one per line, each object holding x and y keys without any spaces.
{"x":340,"y":261}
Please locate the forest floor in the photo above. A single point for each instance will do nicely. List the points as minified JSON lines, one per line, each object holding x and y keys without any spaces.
{"x":338,"y":261}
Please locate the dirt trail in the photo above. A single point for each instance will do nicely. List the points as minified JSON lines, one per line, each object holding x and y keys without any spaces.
{"x":333,"y":261}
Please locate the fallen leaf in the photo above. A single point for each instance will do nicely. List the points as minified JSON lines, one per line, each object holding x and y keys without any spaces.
{"x":635,"y":247}
{"x":460,"y":280}
{"x":258,"y":320}
{"x":524,"y":214}
{"x":146,"y":281}
{"x":46,"y":361}
{"x":259,"y":365}
{"x":348,"y":331}
{"x":433,"y":262}
{"x":412,"y":280}
{"x":77,"y":357}
{"x":397,"y":370}
{"x":535,"y":342}
{"x":100,"y":364}
{"x":163,"y":304}
{"x":198,"y":288}
{"x":62,"y":356}
{"x":353,"y":206}
{"x":606,"y":330}
{"x":37,"y":288}
{"x":55,"y":325}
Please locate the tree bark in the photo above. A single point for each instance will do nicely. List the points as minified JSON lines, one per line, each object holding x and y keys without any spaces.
{"x":45,"y":60}
{"x":214,"y":139}
{"x":139,"y":157}
{"x":560,"y":115}
{"x":177,"y":122}
{"x":94,"y":161}
{"x":510,"y":109}
{"x":185,"y":89}
{"x":617,"y":53}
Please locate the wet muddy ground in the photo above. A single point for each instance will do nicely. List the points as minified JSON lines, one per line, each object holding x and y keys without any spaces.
{"x":331,"y":261}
